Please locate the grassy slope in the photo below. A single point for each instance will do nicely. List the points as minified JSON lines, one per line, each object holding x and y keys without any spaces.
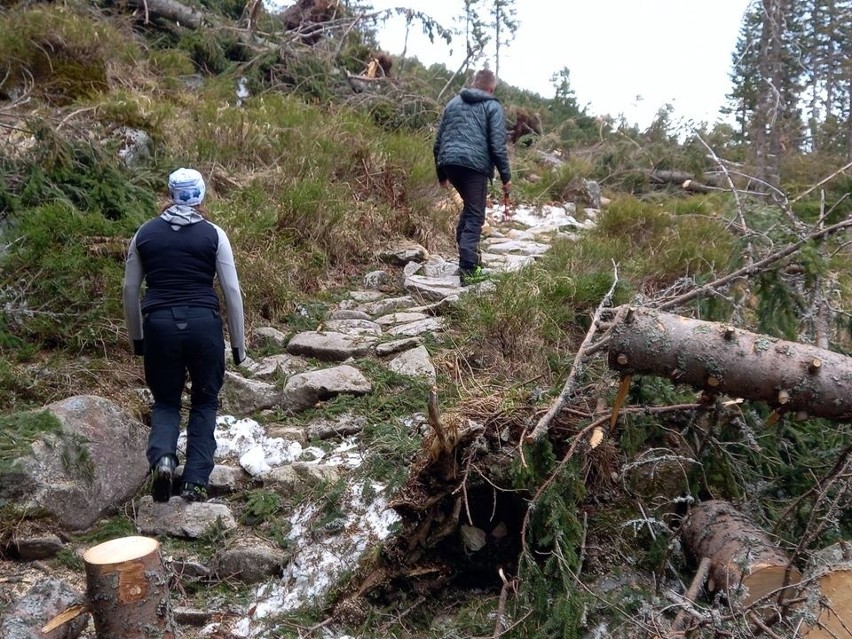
{"x":308,"y":187}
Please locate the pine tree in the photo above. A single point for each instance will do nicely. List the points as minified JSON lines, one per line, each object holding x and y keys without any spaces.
{"x":505,"y":24}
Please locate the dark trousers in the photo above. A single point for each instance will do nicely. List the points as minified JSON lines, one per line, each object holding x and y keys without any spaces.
{"x":472,"y":186}
{"x":177,"y":340}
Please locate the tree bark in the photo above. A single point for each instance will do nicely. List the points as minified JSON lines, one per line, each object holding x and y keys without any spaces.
{"x":744,"y":562}
{"x":722,"y":359}
{"x":172,"y":10}
{"x":127,"y":589}
{"x":828,"y":593}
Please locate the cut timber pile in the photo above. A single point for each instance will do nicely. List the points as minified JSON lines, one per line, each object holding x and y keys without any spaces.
{"x":827,"y":610}
{"x":744,"y":562}
{"x":127,"y":590}
{"x":718,"y":358}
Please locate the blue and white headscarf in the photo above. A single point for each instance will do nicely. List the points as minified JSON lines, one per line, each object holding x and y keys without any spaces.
{"x":186,"y":187}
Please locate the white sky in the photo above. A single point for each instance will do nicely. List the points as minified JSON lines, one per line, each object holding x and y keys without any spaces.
{"x":627,"y":57}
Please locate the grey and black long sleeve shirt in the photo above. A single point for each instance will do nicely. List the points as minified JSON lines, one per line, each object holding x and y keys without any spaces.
{"x":178,"y":254}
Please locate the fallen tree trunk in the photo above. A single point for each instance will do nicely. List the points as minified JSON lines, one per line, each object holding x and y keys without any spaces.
{"x":172,"y":10}
{"x":827,"y":611}
{"x":744,"y":562}
{"x":680,"y":177}
{"x":127,"y":590}
{"x":719,"y":358}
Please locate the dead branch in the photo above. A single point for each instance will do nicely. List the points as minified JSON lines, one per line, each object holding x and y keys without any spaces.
{"x":750,"y":269}
{"x":734,"y":192}
{"x":543,"y":424}
{"x":697,"y":583}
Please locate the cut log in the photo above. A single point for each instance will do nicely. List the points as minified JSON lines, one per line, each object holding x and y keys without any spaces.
{"x":127,"y":589}
{"x":744,"y":562}
{"x":172,"y":10}
{"x":717,"y":358}
{"x":828,"y":593}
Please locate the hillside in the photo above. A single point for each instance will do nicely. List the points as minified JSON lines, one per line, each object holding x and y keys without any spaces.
{"x":463,"y":462}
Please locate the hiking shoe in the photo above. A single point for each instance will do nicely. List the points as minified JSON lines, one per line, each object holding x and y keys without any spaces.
{"x":164,"y":474}
{"x":477,"y":275}
{"x":193,"y":492}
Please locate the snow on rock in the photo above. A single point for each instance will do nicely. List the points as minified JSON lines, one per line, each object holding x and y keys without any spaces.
{"x":246,"y":441}
{"x":321,"y":560}
{"x":550,"y":214}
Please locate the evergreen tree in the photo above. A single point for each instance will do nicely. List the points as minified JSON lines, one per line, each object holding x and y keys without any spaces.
{"x":505,"y":24}
{"x":475,"y":29}
{"x":793,"y":57}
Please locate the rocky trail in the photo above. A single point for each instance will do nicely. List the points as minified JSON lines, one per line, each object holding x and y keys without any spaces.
{"x":269,"y":468}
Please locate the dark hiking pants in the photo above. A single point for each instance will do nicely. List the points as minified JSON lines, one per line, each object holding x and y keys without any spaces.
{"x":472,"y":186}
{"x":177,"y":340}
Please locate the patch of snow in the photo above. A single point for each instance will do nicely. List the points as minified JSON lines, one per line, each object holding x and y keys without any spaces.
{"x":316,"y":567}
{"x":246,"y":441}
{"x":546,"y":215}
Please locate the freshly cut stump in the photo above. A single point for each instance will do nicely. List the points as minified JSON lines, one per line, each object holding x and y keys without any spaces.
{"x":745,"y":564}
{"x":828,"y":593}
{"x":127,"y":588}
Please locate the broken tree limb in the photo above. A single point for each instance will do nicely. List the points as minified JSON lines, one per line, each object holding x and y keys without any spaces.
{"x":745,"y":564}
{"x":579,"y":359}
{"x":698,"y":582}
{"x":718,"y":358}
{"x":127,"y":590}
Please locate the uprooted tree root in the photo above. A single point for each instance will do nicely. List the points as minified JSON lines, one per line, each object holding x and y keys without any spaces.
{"x":463,"y":516}
{"x":461,"y":519}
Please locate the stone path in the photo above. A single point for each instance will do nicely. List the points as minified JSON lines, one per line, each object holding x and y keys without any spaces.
{"x":307,"y":368}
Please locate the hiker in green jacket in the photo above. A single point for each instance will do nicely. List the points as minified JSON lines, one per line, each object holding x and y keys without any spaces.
{"x":470,"y":143}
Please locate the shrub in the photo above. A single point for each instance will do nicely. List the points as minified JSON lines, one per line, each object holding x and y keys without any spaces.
{"x":61,"y":281}
{"x":65,"y":55}
{"x":74,"y":172}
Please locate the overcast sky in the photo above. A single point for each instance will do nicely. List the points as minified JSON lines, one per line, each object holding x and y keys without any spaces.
{"x":627,"y":57}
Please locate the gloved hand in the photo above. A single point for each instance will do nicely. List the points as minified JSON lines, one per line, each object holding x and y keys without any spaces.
{"x":139,"y":347}
{"x":507,"y":189}
{"x":238,"y":355}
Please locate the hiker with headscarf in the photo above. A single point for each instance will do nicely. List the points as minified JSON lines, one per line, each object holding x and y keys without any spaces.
{"x":177,"y":328}
{"x":470,"y":143}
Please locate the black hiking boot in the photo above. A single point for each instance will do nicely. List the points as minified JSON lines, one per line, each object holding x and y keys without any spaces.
{"x":164,"y":474}
{"x":193,"y":492}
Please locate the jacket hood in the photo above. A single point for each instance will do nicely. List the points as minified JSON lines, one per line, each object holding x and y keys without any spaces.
{"x":180,"y":215}
{"x":470,"y":95}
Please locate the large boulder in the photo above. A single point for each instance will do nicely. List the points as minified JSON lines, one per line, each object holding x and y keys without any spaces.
{"x":93,"y":462}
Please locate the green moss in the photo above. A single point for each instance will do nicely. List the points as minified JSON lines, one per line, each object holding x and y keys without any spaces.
{"x":19,"y":431}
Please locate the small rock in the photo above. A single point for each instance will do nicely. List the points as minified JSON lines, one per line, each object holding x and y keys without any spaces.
{"x":414,"y":363}
{"x":377,"y":280}
{"x":306,"y":389}
{"x":430,"y":325}
{"x":348,"y":314}
{"x":180,"y":518}
{"x":40,"y":547}
{"x":248,"y":561}
{"x":191,"y":616}
{"x":185,"y":569}
{"x":473,"y":538}
{"x":363,"y":297}
{"x":289,"y":433}
{"x":270,"y":335}
{"x":412,"y":268}
{"x":330,"y":346}
{"x":353,"y":327}
{"x":389,"y":348}
{"x":403,"y":254}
